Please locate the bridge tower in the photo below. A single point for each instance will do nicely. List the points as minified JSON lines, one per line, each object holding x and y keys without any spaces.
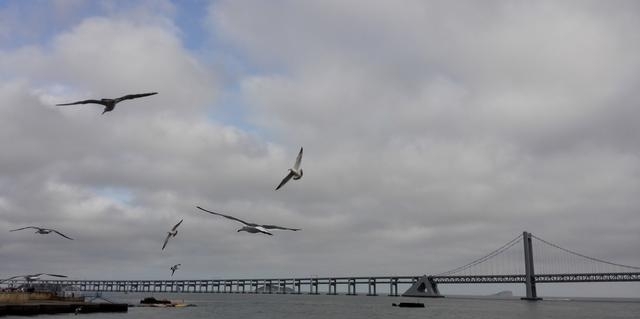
{"x":530,"y":280}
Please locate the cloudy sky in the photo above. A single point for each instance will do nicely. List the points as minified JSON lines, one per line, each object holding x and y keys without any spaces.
{"x":433,"y":132}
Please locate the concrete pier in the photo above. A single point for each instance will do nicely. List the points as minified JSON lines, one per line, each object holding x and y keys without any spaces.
{"x":36,"y":303}
{"x":30,"y":309}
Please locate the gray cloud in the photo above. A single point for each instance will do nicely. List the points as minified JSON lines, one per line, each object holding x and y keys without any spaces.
{"x":489,"y":119}
{"x":433,"y":133}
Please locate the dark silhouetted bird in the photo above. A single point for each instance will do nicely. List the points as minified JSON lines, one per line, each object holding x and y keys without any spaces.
{"x":174,"y":268}
{"x":110,"y":104}
{"x":172,"y":233}
{"x":40,"y":230}
{"x":251,"y":227}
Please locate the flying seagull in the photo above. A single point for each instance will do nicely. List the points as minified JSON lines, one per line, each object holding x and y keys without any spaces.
{"x":250,"y":227}
{"x":172,"y":233}
{"x":32,"y":277}
{"x":295,"y":172}
{"x":174,"y":268}
{"x":40,"y":230}
{"x":110,"y":104}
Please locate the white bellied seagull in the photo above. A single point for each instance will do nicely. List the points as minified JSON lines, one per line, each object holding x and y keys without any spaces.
{"x":174,"y":268}
{"x":110,"y":104}
{"x":251,"y":227}
{"x":33,"y":277}
{"x":40,"y":230}
{"x":172,"y":233}
{"x":295,"y":172}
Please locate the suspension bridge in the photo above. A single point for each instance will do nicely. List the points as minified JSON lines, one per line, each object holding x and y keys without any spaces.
{"x":512,"y":262}
{"x":553,"y":264}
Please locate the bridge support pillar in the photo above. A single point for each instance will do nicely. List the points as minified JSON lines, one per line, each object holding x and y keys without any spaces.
{"x":423,"y":287}
{"x":530,"y":280}
{"x":393,"y":287}
{"x":282,"y":287}
{"x":372,"y":287}
{"x":332,"y":287}
{"x":297,"y":284}
{"x":351,"y":287}
{"x":313,"y":287}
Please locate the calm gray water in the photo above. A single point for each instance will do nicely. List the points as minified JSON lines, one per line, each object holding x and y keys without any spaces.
{"x":262,"y":306}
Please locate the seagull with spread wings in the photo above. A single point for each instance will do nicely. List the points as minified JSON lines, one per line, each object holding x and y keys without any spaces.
{"x":251,"y":227}
{"x":32,"y":277}
{"x":295,"y":172}
{"x":110,"y":104}
{"x":172,"y":233}
{"x":44,"y":231}
{"x":174,"y":268}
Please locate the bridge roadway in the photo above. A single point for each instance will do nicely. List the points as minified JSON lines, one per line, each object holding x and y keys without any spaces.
{"x":539,"y":278}
{"x":311,"y":285}
{"x":275,"y":285}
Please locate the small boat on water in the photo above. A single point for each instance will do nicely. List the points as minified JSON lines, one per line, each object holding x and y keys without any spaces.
{"x":154,"y":301}
{"x":162,"y":303}
{"x":409,"y":305}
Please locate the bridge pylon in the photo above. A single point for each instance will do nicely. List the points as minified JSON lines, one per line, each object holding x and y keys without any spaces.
{"x":423,"y":287}
{"x":530,"y":279}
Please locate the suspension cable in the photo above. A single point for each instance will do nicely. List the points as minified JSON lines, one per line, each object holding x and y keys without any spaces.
{"x":583,"y":256}
{"x":485,"y":258}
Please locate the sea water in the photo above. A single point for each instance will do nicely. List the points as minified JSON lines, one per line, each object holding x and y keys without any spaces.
{"x":266,"y":306}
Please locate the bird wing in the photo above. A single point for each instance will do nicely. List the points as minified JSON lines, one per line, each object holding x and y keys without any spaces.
{"x":61,"y":234}
{"x":285,"y":180}
{"x":166,"y":240}
{"x":54,"y":275}
{"x":25,"y":228}
{"x":296,"y":166}
{"x":279,"y":227}
{"x":82,"y":102}
{"x":178,"y":224}
{"x":10,"y":278}
{"x":134,"y":96}
{"x":226,"y":216}
{"x":262,"y":230}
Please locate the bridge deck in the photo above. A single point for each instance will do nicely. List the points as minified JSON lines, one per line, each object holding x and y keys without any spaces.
{"x":311,"y":285}
{"x":539,"y":278}
{"x":271,"y":285}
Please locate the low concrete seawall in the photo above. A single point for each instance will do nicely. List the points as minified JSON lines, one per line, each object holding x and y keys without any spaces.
{"x":24,"y":297}
{"x":36,"y":303}
{"x":13,"y":298}
{"x":29,"y":309}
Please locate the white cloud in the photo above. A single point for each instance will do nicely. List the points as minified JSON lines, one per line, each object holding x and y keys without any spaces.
{"x":432,"y":131}
{"x":498,"y":115}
